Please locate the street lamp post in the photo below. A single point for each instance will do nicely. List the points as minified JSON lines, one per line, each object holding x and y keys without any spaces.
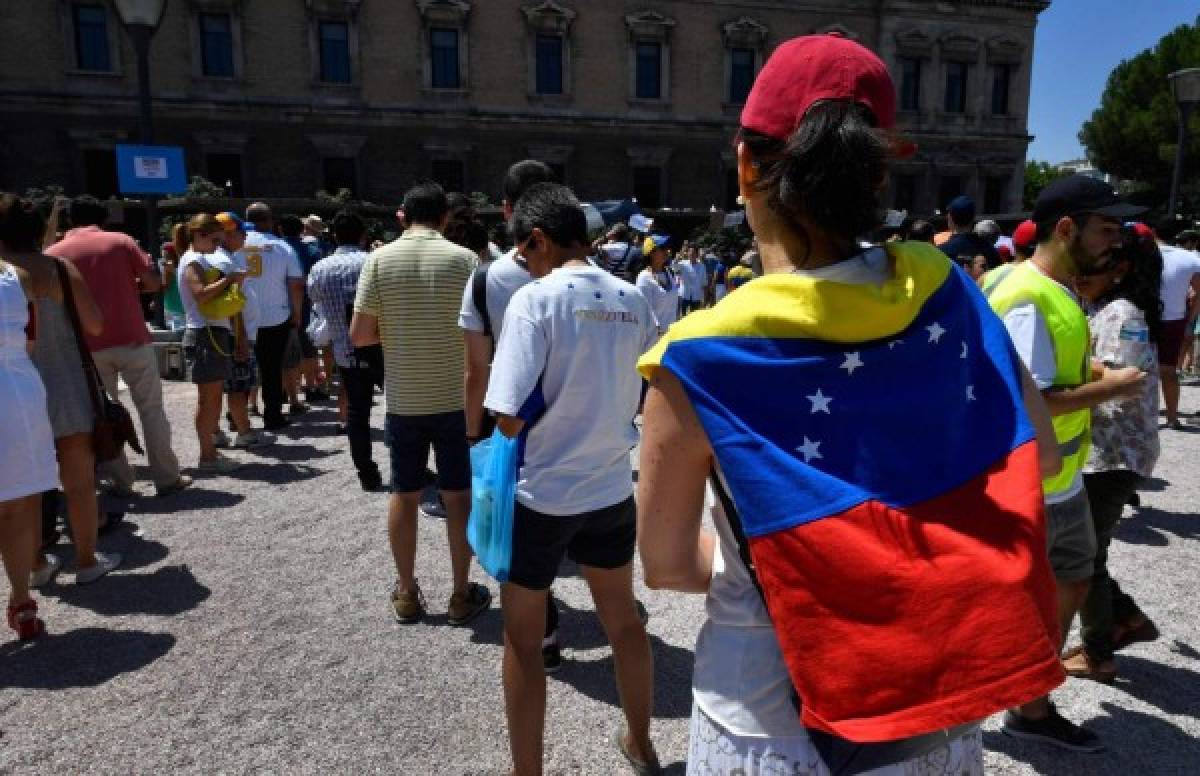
{"x":141,"y":19}
{"x":1185,"y":86}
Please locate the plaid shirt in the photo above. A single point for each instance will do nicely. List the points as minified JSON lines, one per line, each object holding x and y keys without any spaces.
{"x":331,"y":287}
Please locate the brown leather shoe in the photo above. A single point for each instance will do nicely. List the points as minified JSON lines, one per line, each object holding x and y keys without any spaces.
{"x":465,"y":607}
{"x":1081,"y":666}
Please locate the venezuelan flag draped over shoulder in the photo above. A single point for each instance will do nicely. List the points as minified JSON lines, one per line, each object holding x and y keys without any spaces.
{"x":877,"y":450}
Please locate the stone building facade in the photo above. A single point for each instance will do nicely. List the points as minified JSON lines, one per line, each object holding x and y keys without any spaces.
{"x":285,"y":97}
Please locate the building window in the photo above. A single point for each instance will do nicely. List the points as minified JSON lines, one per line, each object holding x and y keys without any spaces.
{"x":339,"y":173}
{"x":443,"y":51}
{"x":91,"y":38}
{"x":100,"y":172}
{"x":904,"y":192}
{"x":647,"y":186}
{"x":450,"y":174}
{"x":949,"y":187}
{"x":910,"y":84}
{"x":1001,"y":81}
{"x":956,"y":87}
{"x":994,"y":200}
{"x":741,"y":74}
{"x":549,"y":54}
{"x":334,"y":42}
{"x":216,"y":45}
{"x":649,"y":71}
{"x":225,"y":170}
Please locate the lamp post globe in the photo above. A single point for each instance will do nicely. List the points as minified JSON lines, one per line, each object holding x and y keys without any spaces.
{"x":1185,"y":88}
{"x":142,"y":13}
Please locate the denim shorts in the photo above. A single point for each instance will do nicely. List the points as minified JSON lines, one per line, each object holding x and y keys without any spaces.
{"x":209,"y":354}
{"x":409,"y":438}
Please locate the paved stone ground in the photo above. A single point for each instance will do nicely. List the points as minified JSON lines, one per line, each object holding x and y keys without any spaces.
{"x":249,"y":631}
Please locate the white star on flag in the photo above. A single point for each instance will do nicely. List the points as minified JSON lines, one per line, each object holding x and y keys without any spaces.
{"x":935,"y":332}
{"x":970,"y":393}
{"x":851,"y":363}
{"x":964,"y":353}
{"x":810,"y":450}
{"x":820,"y":402}
{"x":892,"y":345}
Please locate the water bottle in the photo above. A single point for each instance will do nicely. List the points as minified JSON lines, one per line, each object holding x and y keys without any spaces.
{"x":1133,"y":348}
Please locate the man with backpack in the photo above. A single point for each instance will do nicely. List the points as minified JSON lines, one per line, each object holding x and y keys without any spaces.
{"x":485,"y":300}
{"x":620,"y":254}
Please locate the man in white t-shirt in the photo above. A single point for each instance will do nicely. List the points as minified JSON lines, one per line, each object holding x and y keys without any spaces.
{"x":482,"y":320}
{"x":1181,"y":272}
{"x":244,"y":325}
{"x":277,"y":279}
{"x":564,"y":380}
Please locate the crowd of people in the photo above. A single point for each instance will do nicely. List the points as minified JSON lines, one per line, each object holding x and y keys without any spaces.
{"x":1041,"y":355}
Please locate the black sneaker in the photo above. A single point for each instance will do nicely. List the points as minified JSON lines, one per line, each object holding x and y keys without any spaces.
{"x":371,"y":481}
{"x":1055,"y":729}
{"x":551,"y":655}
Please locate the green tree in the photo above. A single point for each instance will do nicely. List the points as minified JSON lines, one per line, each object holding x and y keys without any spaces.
{"x":1037,"y":175}
{"x":1133,"y":133}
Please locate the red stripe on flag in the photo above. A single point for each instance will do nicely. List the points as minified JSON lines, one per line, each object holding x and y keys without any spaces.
{"x":895,"y":623}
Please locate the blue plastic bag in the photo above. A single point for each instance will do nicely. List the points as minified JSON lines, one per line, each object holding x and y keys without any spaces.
{"x":493,"y":495}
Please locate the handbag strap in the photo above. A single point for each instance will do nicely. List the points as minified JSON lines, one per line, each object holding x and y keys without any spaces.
{"x":90,"y":374}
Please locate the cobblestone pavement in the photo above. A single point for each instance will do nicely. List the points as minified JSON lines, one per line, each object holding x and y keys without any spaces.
{"x":249,"y":631}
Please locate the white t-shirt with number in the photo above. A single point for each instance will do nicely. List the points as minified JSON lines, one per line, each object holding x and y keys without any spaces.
{"x":566,"y":363}
{"x":270,"y":263}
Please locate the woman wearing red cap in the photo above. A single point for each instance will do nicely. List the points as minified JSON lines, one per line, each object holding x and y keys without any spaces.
{"x":877,"y":582}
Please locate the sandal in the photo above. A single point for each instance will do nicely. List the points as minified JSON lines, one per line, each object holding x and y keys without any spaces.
{"x":1081,"y":665}
{"x":651,"y":768}
{"x":24,"y":620}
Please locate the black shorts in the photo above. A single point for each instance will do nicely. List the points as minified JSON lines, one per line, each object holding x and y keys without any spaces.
{"x":409,"y":438}
{"x":1170,"y":342}
{"x":603,"y":539}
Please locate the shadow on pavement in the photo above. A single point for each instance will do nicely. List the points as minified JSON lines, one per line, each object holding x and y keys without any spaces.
{"x":85,"y":657}
{"x":195,"y":497}
{"x":1149,"y":526}
{"x":1171,"y":689}
{"x":1153,"y":484}
{"x":168,"y":591}
{"x":282,"y":473}
{"x":1136,"y":743}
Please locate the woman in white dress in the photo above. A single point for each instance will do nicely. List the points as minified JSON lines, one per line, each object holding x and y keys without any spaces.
{"x":27,"y":462}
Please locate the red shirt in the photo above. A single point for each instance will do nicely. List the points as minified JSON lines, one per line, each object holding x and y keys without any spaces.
{"x":110,"y":263}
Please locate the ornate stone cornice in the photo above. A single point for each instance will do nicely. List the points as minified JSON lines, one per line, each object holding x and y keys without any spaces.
{"x":744,"y":32}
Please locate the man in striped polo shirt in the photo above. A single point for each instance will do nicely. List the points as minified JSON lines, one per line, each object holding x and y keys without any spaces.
{"x":408,"y":300}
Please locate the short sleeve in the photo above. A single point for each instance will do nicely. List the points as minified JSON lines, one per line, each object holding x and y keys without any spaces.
{"x":366,"y":297}
{"x":519,"y":362}
{"x":139,"y":260}
{"x":1031,"y":339}
{"x":295,"y":270}
{"x":468,"y":315}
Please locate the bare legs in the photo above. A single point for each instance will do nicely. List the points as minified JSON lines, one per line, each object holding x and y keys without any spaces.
{"x":18,"y":543}
{"x":208,"y":417}
{"x":525,"y":678}
{"x":402,"y":536}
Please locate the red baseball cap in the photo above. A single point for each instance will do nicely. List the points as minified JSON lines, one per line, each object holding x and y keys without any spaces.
{"x":1025,"y":235}
{"x":811,"y":68}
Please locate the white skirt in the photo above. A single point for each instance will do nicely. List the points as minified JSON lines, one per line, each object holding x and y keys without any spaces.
{"x":713,"y":751}
{"x":28,"y":461}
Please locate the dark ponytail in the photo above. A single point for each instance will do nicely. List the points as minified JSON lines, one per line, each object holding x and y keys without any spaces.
{"x":830,"y":171}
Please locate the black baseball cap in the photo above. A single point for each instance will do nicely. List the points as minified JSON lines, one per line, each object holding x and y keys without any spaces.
{"x":1079,"y":194}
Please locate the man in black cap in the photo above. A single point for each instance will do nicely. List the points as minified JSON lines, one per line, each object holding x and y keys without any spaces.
{"x":1078,"y":227}
{"x":964,"y":245}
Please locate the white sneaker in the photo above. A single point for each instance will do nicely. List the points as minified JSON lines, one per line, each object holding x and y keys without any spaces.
{"x":105,"y":562}
{"x":253,"y":439}
{"x":219,"y":465}
{"x":220,"y":439}
{"x":41,"y":577}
